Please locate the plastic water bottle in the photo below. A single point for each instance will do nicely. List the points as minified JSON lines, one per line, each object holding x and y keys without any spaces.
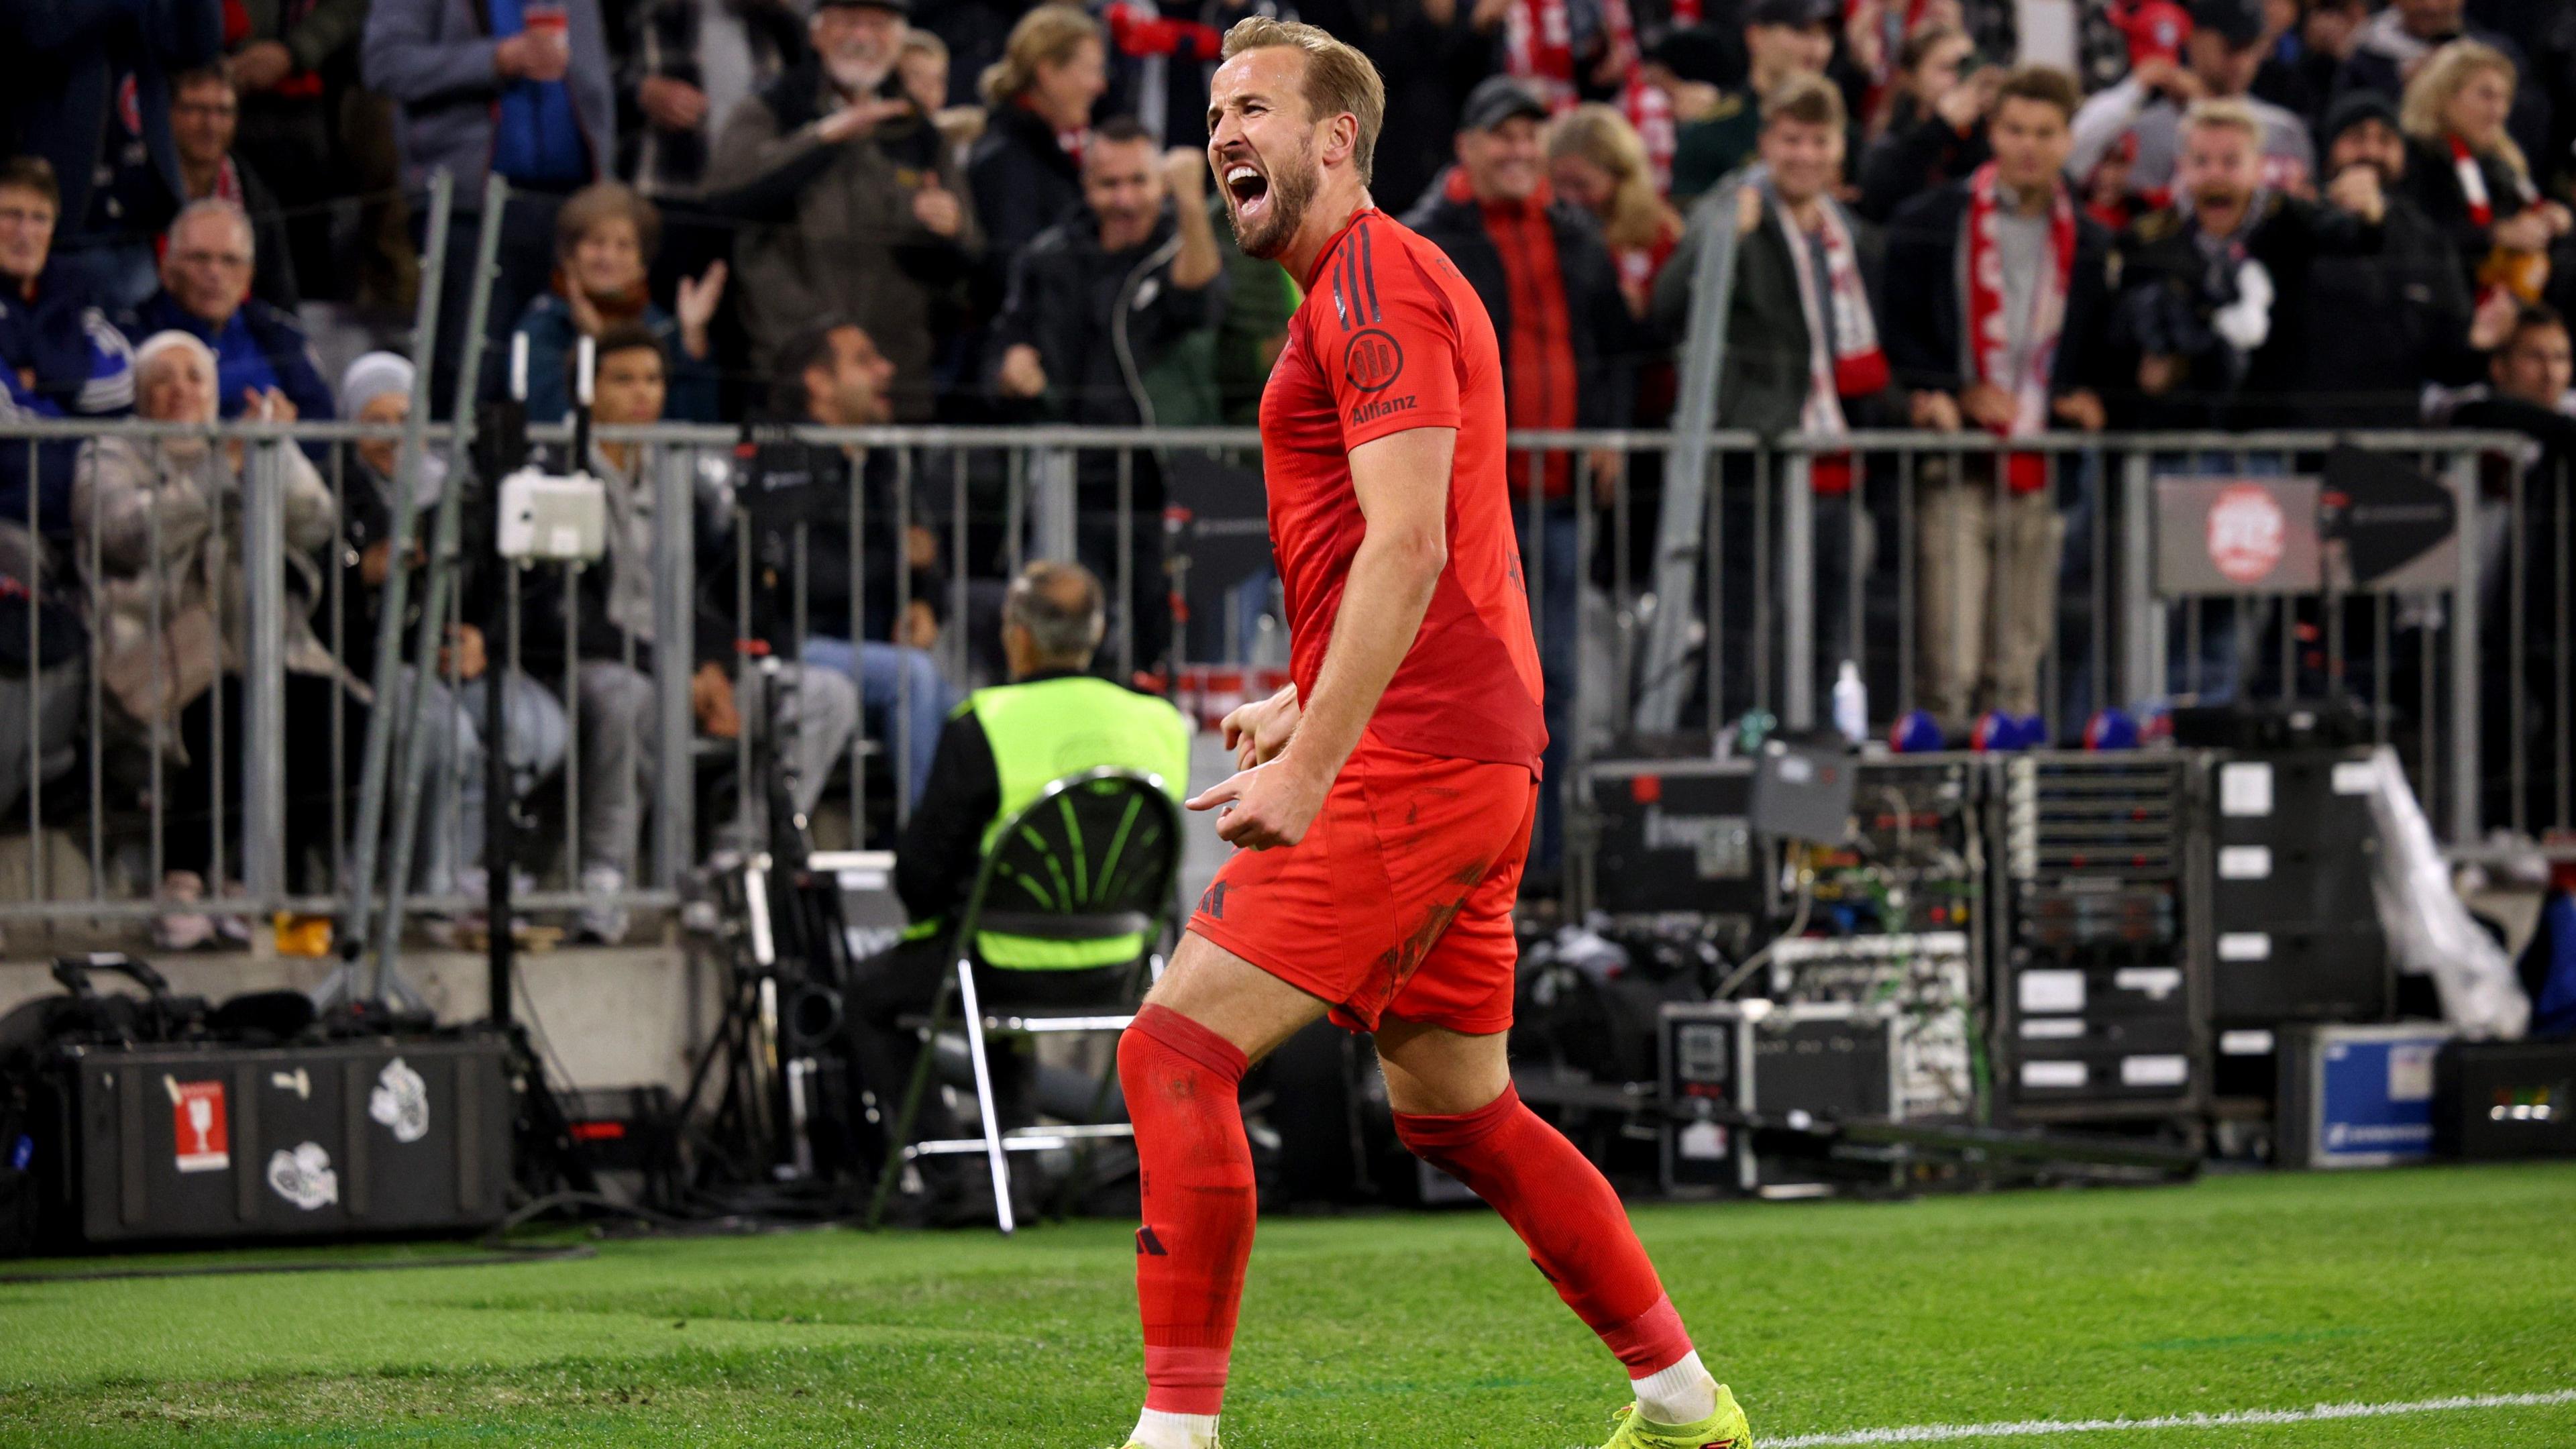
{"x":1851,"y":703}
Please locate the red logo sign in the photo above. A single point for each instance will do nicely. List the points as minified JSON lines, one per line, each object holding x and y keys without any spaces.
{"x":197,"y":1125}
{"x":2247,"y":533}
{"x":1372,"y":360}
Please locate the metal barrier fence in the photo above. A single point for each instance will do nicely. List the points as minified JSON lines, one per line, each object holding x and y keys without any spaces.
{"x":214,"y":718}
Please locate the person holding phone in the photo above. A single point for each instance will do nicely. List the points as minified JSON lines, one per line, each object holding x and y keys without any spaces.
{"x":1936,"y":130}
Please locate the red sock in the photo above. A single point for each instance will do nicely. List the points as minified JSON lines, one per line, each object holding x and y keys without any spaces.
{"x":1563,"y":1208}
{"x":1196,"y":1171}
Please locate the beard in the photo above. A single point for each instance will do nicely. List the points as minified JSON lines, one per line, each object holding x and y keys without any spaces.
{"x":856,"y":76}
{"x":1291,"y":192}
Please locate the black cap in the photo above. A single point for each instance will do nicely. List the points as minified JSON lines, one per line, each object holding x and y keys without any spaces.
{"x":2241,"y":21}
{"x":1796,"y":13}
{"x":899,"y":7}
{"x":2351,"y":109}
{"x":1497,"y":99}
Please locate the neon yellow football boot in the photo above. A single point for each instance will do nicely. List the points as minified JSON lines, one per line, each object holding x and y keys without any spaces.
{"x":1724,"y":1429}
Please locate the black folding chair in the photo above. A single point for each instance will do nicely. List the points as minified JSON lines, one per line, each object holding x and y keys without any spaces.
{"x":1092,"y":859}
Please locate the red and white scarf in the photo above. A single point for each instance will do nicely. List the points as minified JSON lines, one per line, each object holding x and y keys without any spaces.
{"x":2473,"y":182}
{"x":1845,"y":362}
{"x":1648,"y":109}
{"x":1989,"y":332}
{"x":1538,"y":47}
{"x":228,"y":186}
{"x":1651,"y":112}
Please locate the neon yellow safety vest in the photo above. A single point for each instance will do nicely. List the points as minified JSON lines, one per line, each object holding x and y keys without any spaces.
{"x":1046,"y":729}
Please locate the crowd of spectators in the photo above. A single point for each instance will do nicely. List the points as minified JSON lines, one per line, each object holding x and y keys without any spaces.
{"x":2216,"y":214}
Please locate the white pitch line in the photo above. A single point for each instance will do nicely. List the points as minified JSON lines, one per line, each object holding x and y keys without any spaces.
{"x":1945,"y":1433}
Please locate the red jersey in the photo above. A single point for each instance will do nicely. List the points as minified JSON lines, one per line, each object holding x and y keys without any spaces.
{"x":1389,"y":338}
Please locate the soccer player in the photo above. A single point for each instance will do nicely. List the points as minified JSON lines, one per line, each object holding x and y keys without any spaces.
{"x":1386,"y":796}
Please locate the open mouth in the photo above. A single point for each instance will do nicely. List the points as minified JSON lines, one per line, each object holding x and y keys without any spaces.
{"x":1249,"y":188}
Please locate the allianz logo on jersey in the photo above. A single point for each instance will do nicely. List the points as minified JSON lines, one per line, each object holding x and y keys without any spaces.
{"x":1369,"y":412}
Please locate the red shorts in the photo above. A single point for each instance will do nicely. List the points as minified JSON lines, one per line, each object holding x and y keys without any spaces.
{"x":1399,"y":900}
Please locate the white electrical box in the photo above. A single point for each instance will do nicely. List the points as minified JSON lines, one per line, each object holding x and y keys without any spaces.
{"x":548,"y":517}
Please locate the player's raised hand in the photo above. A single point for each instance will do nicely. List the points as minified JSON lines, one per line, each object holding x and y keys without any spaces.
{"x":1264,"y":806}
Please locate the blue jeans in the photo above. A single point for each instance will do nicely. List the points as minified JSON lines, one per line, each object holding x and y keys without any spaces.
{"x":906,"y":698}
{"x":538,"y":736}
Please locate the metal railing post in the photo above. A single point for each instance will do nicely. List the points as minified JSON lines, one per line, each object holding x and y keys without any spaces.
{"x":264,"y":666}
{"x":2466,"y":785}
{"x":902,"y":731}
{"x":1798,"y":589}
{"x":1051,"y":503}
{"x":1574,"y":834}
{"x":674,"y":608}
{"x":2142,"y":620}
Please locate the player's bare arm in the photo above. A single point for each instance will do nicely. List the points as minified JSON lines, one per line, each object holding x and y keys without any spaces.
{"x":1402,"y":481}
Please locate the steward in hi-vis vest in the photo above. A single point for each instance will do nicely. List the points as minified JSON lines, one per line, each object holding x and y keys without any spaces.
{"x":1005,"y":745}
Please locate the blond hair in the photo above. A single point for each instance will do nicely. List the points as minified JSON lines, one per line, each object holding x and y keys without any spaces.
{"x":1599,"y":134}
{"x":2438,"y":82}
{"x":1048,"y":35}
{"x":2222,"y":113}
{"x":1339,"y":80}
{"x":1808,"y":98}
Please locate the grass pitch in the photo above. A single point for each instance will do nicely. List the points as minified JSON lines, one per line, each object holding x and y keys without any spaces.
{"x":2271,"y":1292}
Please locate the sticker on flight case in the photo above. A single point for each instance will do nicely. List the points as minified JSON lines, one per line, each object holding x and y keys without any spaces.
{"x":400,"y":1101}
{"x":199,"y":1136}
{"x":304,"y":1176}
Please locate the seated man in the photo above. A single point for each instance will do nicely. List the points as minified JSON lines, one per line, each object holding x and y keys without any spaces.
{"x":612,"y":655}
{"x":264,"y":367}
{"x":832,"y":374}
{"x":1000,"y":751}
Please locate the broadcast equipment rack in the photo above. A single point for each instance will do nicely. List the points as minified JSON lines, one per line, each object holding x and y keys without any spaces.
{"x":2101,"y":971}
